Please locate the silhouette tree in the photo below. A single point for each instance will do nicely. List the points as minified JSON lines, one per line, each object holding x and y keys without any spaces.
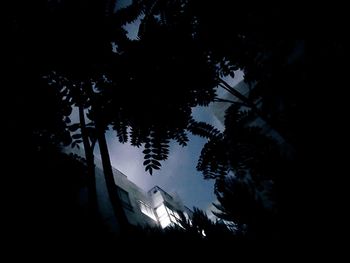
{"x":146,"y":88}
{"x":90,"y":76}
{"x":250,"y":198}
{"x":197,"y":228}
{"x":242,"y":148}
{"x":251,"y":211}
{"x":59,"y":38}
{"x":272,"y":64}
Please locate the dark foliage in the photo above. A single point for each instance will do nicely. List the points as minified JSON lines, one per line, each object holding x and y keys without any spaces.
{"x":146,"y":89}
{"x":272,"y":63}
{"x":249,"y":208}
{"x":274,"y":67}
{"x":197,"y":230}
{"x":241,"y":148}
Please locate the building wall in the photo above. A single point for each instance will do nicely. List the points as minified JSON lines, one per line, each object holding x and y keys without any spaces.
{"x":136,"y":194}
{"x":167,"y":207}
{"x":159,"y":196}
{"x":140,"y":208}
{"x":104,"y":204}
{"x":153,"y":208}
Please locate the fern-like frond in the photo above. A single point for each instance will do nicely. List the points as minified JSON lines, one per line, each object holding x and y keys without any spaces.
{"x":181,"y":137}
{"x":212,"y":161}
{"x":203,"y":129}
{"x":156,"y":150}
{"x":122,"y":131}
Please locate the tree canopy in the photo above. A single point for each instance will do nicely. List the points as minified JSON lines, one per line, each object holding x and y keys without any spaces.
{"x":77,"y":54}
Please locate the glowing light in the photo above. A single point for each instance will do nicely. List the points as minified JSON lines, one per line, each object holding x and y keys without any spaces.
{"x":147,"y":210}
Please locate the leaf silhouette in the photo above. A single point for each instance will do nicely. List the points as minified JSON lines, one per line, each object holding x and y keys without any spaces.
{"x":76,"y":136}
{"x":74,"y":127}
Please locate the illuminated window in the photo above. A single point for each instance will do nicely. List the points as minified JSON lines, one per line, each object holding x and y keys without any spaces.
{"x":163,"y":216}
{"x":147,"y":210}
{"x":167,"y":216}
{"x":164,"y":222}
{"x":174,"y":216}
{"x":124,"y":198}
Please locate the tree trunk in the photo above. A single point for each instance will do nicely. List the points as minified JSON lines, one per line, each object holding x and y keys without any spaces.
{"x":90,"y":161}
{"x":107,"y":167}
{"x":110,"y":183}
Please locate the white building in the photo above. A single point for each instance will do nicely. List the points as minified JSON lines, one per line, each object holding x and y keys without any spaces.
{"x":153,"y":208}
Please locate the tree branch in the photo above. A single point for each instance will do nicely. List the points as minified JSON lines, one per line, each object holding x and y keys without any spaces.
{"x":230,"y":101}
{"x":250,"y":104}
{"x":236,"y":93}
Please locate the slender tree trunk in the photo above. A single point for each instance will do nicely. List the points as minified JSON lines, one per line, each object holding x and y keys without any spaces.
{"x":110,"y":183}
{"x":90,"y":161}
{"x":107,"y":167}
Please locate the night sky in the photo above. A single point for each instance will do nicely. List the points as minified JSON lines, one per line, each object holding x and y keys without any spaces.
{"x":178,"y":174}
